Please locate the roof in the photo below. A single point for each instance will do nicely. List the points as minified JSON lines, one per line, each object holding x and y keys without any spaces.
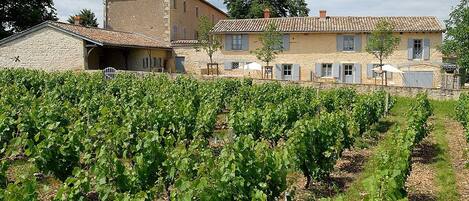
{"x":184,"y":43}
{"x":98,"y":36}
{"x":329,"y":25}
{"x":214,"y":7}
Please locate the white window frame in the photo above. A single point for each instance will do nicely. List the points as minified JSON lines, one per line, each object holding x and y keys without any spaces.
{"x":349,"y":43}
{"x":237,"y":42}
{"x":326,"y":70}
{"x":417,"y":55}
{"x":287,"y":69}
{"x":348,"y":69}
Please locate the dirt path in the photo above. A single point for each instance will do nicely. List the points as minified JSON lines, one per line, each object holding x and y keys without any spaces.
{"x":457,"y":145}
{"x":420,"y":184}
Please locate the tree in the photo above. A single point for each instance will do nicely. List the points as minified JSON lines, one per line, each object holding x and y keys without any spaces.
{"x":87,"y":18}
{"x":382,"y":43}
{"x":245,"y":9}
{"x":206,"y":41}
{"x":271,"y":41}
{"x":456,"y":42}
{"x":19,"y":15}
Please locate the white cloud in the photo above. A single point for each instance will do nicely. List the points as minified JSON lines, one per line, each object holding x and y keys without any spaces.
{"x":438,"y":8}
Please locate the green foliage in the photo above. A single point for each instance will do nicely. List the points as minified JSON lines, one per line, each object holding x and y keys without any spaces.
{"x":19,"y":15}
{"x":456,"y":42}
{"x":382,"y":43}
{"x":20,"y":191}
{"x":391,"y":163}
{"x":144,"y":138}
{"x":239,"y":9}
{"x":207,"y":41}
{"x":462,"y":112}
{"x":271,"y":44}
{"x":317,"y":143}
{"x":87,"y":18}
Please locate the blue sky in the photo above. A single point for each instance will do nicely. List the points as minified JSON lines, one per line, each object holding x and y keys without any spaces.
{"x":438,"y":8}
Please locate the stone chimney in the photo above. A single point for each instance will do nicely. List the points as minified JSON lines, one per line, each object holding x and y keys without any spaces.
{"x":77,"y":20}
{"x":266,"y":13}
{"x":322,"y":14}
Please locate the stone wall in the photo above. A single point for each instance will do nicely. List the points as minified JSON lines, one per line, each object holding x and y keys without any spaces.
{"x":46,"y":49}
{"x":434,"y":94}
{"x":149,"y":17}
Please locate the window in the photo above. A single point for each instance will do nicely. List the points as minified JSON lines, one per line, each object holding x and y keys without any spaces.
{"x":234,"y":65}
{"x":184,"y":5}
{"x":287,"y":70}
{"x":349,"y":43}
{"x":237,"y":42}
{"x":146,"y":62}
{"x":418,"y":49}
{"x":348,"y":69}
{"x":174,"y":4}
{"x":197,"y":11}
{"x":326,"y":70}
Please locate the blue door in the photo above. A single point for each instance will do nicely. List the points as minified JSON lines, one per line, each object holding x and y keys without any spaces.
{"x":180,"y":61}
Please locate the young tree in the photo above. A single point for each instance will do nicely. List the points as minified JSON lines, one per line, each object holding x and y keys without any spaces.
{"x":271,"y":41}
{"x":87,"y":17}
{"x":206,"y":41}
{"x":382,"y":43}
{"x":242,"y":9}
{"x":19,"y":15}
{"x":456,"y":42}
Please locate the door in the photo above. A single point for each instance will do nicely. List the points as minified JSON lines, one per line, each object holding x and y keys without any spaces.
{"x":180,"y":62}
{"x":348,"y":73}
{"x":422,"y":79}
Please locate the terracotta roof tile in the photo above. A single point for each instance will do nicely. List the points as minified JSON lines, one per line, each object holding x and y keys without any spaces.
{"x":329,"y":25}
{"x":112,"y":38}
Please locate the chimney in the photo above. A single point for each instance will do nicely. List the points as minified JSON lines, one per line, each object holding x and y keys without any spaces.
{"x":266,"y":13}
{"x":322,"y":14}
{"x":77,"y":20}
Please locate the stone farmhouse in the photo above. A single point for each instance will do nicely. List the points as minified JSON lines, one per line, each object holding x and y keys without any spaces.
{"x":159,"y":35}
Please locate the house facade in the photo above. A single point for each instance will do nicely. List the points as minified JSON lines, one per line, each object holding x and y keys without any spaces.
{"x":167,"y":20}
{"x":54,"y":46}
{"x":332,"y":49}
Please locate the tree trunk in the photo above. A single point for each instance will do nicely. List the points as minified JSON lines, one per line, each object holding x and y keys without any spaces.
{"x":307,"y":174}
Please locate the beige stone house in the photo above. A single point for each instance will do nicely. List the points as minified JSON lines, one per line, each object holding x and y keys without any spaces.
{"x":333,"y":49}
{"x":59,"y":46}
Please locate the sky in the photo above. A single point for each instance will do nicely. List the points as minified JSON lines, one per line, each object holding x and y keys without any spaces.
{"x":438,"y":8}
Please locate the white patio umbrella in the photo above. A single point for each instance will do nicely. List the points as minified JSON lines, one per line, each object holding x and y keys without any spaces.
{"x":388,"y":68}
{"x":252,"y":66}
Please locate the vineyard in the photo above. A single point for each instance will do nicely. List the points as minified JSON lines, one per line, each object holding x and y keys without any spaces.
{"x":155,"y":138}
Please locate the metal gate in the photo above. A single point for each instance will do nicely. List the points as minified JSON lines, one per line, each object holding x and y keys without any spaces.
{"x":422,"y":79}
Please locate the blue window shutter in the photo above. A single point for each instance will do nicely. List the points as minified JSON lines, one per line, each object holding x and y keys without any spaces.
{"x":278,"y":72}
{"x":358,"y":43}
{"x":296,"y":72}
{"x":336,"y":70}
{"x":245,"y":38}
{"x":358,"y":73}
{"x":228,"y":65}
{"x":228,"y":42}
{"x":369,"y":71}
{"x":319,"y":70}
{"x":410,"y":47}
{"x":426,"y":49}
{"x":286,"y":42}
{"x":340,"y":43}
